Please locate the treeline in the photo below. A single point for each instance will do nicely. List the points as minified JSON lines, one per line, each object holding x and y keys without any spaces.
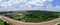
{"x":5,"y":12}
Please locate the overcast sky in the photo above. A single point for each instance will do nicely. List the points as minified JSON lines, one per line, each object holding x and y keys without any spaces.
{"x":16,"y":5}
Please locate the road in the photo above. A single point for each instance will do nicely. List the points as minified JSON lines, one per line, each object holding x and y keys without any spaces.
{"x":15,"y":22}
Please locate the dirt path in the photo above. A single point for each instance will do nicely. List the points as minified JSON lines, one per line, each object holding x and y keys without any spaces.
{"x":14,"y":22}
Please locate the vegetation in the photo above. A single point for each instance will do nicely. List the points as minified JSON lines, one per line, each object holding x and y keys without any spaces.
{"x":3,"y":22}
{"x":34,"y":16}
{"x":58,"y":23}
{"x":39,"y":17}
{"x":14,"y":16}
{"x":4,"y":12}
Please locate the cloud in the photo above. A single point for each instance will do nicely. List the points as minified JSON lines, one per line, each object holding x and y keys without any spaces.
{"x":15,"y":5}
{"x":49,"y":0}
{"x":5,"y":0}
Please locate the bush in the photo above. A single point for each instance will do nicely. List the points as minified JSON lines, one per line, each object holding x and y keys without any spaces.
{"x":59,"y":24}
{"x":3,"y":22}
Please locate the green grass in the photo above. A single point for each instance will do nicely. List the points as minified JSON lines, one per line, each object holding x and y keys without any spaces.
{"x":1,"y":22}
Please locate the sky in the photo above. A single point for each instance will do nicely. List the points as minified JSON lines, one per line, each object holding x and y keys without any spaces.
{"x":16,"y":5}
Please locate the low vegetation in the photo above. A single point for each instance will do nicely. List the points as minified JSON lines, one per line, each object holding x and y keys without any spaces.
{"x":34,"y":16}
{"x":3,"y":22}
{"x":58,"y":23}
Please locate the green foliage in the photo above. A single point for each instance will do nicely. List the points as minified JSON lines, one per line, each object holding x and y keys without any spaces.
{"x":38,"y":17}
{"x":35,"y":16}
{"x":13,"y":16}
{"x":58,"y":24}
{"x":5,"y":23}
{"x":1,"y":22}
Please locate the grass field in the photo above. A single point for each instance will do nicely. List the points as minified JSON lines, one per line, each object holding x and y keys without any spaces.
{"x":1,"y":22}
